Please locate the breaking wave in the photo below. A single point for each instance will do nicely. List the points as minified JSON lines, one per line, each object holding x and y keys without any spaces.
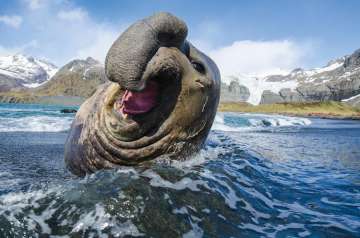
{"x":36,"y":118}
{"x":35,"y":124}
{"x":222,"y":190}
{"x":33,"y":118}
{"x":239,"y":122}
{"x":245,"y":182}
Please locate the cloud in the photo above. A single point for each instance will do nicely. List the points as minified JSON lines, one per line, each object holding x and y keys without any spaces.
{"x":34,"y":4}
{"x":12,"y":21}
{"x":64,"y":30}
{"x":102,"y":39}
{"x":73,"y":15}
{"x":18,"y":49}
{"x":259,"y":58}
{"x":7,"y":51}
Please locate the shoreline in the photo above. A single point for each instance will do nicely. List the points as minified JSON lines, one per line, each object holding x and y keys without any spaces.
{"x":323,"y":116}
{"x":322,"y":110}
{"x":313,"y":115}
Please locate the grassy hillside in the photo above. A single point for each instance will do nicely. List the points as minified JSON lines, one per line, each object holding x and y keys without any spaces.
{"x":317,"y":109}
{"x":71,"y":85}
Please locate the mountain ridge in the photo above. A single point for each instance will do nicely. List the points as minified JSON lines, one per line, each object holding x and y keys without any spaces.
{"x":72,"y":84}
{"x":339,"y":80}
{"x":20,"y":71}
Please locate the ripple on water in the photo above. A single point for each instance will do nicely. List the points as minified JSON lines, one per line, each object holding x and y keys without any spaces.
{"x":255,"y":183}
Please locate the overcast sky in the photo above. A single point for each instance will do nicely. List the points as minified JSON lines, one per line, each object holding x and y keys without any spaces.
{"x":249,"y":37}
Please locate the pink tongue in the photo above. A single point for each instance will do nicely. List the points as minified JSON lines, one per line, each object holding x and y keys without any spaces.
{"x":140,"y":102}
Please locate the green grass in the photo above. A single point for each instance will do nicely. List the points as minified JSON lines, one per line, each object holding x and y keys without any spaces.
{"x":329,"y":108}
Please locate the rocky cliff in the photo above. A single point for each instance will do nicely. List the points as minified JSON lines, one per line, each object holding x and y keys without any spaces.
{"x":234,"y":92}
{"x":339,"y":80}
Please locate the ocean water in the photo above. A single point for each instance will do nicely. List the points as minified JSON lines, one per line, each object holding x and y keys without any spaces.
{"x":258,"y":176}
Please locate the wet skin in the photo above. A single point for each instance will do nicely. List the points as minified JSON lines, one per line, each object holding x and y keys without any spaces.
{"x":164,"y":108}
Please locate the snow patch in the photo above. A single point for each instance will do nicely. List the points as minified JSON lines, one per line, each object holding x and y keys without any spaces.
{"x":30,"y":70}
{"x":330,"y":67}
{"x":257,"y":86}
{"x":9,"y":73}
{"x":351,"y":98}
{"x":33,"y":85}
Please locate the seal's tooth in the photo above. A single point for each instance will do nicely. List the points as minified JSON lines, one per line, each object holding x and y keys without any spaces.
{"x":125,"y":115}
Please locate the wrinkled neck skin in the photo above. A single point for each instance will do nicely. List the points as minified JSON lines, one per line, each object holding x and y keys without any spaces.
{"x":176,"y":127}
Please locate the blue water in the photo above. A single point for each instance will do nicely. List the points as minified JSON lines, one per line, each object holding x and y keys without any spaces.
{"x":258,"y":176}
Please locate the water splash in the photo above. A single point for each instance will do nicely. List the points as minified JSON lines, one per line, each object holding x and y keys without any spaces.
{"x":250,"y":183}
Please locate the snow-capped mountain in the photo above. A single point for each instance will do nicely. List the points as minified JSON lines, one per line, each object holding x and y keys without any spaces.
{"x":84,"y":67}
{"x":72,"y":84}
{"x":339,"y":80}
{"x":17,"y":71}
{"x":77,"y":78}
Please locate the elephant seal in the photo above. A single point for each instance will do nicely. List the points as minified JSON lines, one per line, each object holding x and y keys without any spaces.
{"x":161,"y":99}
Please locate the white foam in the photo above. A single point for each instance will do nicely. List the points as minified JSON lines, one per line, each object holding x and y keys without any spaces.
{"x":98,"y":220}
{"x":351,"y":98}
{"x":229,"y":194}
{"x":195,"y":231}
{"x":281,"y":121}
{"x":186,"y":183}
{"x":35,"y":124}
{"x":258,"y":121}
{"x":219,"y":124}
{"x":222,"y":127}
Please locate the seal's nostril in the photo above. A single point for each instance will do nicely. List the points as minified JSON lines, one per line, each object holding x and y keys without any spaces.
{"x":129,"y":55}
{"x":165,"y":37}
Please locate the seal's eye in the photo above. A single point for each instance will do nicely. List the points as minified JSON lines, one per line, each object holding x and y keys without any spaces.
{"x":198,"y":66}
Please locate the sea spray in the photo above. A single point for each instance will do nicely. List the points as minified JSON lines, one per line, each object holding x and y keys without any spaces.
{"x":267,"y":176}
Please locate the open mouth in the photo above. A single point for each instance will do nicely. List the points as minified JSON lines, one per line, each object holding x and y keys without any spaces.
{"x":140,"y":113}
{"x":135,"y":103}
{"x":156,"y":100}
{"x":135,"y":111}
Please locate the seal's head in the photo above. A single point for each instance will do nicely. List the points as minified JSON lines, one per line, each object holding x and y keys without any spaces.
{"x":162,"y":100}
